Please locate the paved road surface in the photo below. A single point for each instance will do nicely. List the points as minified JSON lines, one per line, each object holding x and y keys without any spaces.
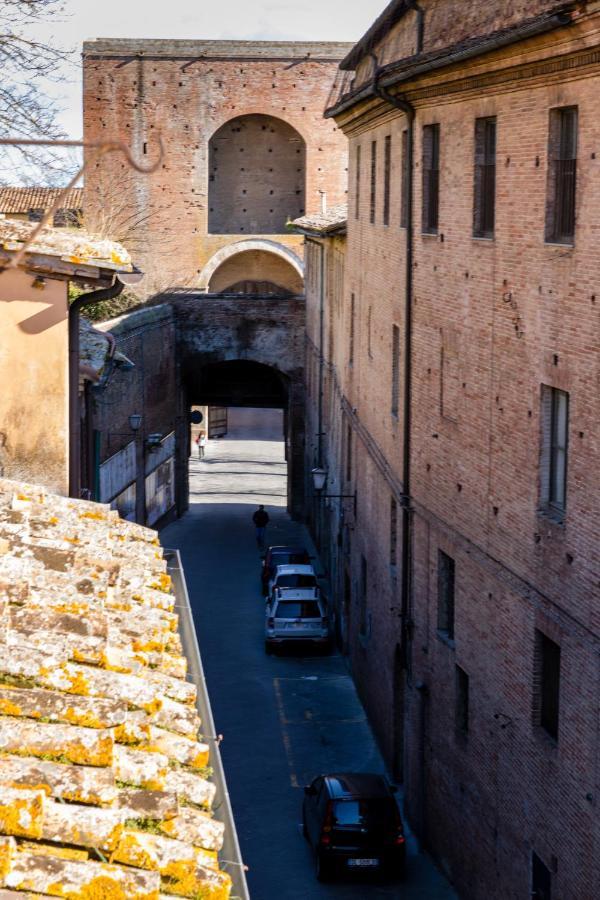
{"x":284,"y":718}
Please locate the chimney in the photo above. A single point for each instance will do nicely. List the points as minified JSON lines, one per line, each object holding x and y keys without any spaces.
{"x":323,"y":202}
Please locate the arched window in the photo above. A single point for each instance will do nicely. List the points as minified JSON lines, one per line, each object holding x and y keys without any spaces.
{"x":246,"y":272}
{"x":257,"y":173}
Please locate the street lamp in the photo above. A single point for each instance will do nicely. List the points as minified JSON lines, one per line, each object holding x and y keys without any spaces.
{"x":135,"y":420}
{"x":319,"y":476}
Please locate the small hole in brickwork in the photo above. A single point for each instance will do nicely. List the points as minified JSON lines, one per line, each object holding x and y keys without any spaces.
{"x":145,"y":147}
{"x":428,"y":467}
{"x":490,"y":596}
{"x":593,"y":298}
{"x":529,"y":413}
{"x":243,"y":190}
{"x":303,"y":109}
{"x":181,"y":84}
{"x":441,"y":238}
{"x":242,"y":169}
{"x":495,"y":509}
{"x":505,"y":282}
{"x":270,"y":170}
{"x":244,"y":210}
{"x":464,"y":384}
{"x":593,"y":156}
{"x":270,"y":210}
{"x":497,"y":399}
{"x":555,"y":359}
{"x":581,"y":434}
{"x":537,"y":538}
{"x":429,"y":371}
{"x":434,"y":435}
{"x":539,"y":289}
{"x":537,"y":161}
{"x":459,"y":488}
{"x":507,"y":161}
{"x":569,"y":559}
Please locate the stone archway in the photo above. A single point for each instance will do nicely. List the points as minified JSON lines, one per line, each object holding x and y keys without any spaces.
{"x":254,"y":246}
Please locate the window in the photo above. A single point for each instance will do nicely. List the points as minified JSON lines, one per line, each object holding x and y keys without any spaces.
{"x":431,"y":178}
{"x":546,"y":683}
{"x":393,"y":531}
{"x":562,"y":175}
{"x":387,"y":173}
{"x":369,"y":319}
{"x":349,"y":452}
{"x":352,"y":317}
{"x":446,"y":595}
{"x":541,"y":879}
{"x":462,"y":700}
{"x":36,"y":215}
{"x":373,"y":181}
{"x":395,"y":369}
{"x":485,"y":178}
{"x":363,"y":596}
{"x":405,"y":181}
{"x":357,"y":183}
{"x":554,"y":449}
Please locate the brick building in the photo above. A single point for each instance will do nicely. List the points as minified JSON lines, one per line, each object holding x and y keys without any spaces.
{"x":246,"y":148}
{"x":469,"y":573}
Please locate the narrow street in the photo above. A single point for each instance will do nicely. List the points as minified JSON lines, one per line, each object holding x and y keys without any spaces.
{"x":284,"y":718}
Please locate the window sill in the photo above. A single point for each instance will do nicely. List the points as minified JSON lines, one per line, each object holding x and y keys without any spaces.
{"x":484,"y":238}
{"x":564,"y":245}
{"x":430,"y":234}
{"x":550,"y":514}
{"x":443,"y":637}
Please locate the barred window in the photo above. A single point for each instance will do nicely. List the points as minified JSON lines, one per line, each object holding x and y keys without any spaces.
{"x":357,"y":183}
{"x":562,"y":175}
{"x":373,"y":181}
{"x":431,"y":178}
{"x":445,"y":618}
{"x":352,"y":320}
{"x":485,"y":178}
{"x":554,"y":448}
{"x":462,"y":700}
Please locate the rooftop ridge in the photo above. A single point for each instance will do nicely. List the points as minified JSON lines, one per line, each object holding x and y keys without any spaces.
{"x":334,"y":50}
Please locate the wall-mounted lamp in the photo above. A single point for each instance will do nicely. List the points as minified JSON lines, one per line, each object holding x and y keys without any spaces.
{"x":319,"y":476}
{"x":135,"y":420}
{"x":153,"y":441}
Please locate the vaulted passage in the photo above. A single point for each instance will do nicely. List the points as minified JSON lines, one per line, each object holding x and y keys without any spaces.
{"x":256,"y":272}
{"x":257,"y":174}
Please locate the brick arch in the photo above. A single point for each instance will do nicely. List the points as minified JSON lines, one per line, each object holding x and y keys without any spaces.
{"x":256,"y":175}
{"x":294,"y":122}
{"x":251,"y":244}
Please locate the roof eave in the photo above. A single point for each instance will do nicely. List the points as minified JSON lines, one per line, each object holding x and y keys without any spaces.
{"x":390,"y":15}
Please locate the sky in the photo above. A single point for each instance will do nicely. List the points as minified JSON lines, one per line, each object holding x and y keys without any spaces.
{"x":321,"y":20}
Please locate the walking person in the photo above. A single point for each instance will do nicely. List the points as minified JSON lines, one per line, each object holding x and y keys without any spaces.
{"x":261,"y":520}
{"x":201,"y":444}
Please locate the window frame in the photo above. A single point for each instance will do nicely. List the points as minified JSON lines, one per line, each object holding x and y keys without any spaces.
{"x":431,"y":178}
{"x":373,"y":184}
{"x":446,"y":595}
{"x":547,"y":684}
{"x":387,"y":178}
{"x":462,"y":700}
{"x":484,"y":191}
{"x":395,"y":373}
{"x":561,"y":188}
{"x":357,"y":181}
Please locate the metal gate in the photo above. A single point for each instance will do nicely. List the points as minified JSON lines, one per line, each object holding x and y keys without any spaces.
{"x":217,"y":421}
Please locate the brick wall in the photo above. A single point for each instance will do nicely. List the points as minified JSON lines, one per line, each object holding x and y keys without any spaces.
{"x":494,"y":320}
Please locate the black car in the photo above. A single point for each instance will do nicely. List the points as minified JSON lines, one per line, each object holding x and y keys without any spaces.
{"x":353,"y":824}
{"x":280,"y":556}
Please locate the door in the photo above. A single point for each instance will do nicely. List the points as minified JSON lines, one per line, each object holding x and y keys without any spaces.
{"x":217,"y":421}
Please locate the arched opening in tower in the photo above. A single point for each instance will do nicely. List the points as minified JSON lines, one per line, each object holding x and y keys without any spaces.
{"x":257,"y":176}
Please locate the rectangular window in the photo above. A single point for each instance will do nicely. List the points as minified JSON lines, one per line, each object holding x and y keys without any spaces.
{"x":562,"y":175}
{"x":349,"y":453}
{"x":357,"y":183}
{"x":484,"y":206}
{"x":541,"y":879}
{"x":462,"y":700}
{"x":546,"y":684}
{"x":431,"y":178}
{"x":393,"y":531}
{"x":445,"y":617}
{"x":362,"y":596}
{"x":405,"y":181}
{"x":352,"y":318}
{"x":387,"y":175}
{"x":369,"y":321}
{"x":373,"y":181}
{"x":395,"y":369}
{"x":554,"y":449}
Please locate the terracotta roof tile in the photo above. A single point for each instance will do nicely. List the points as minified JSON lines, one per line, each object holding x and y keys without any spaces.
{"x":19,"y":200}
{"x":104,"y":782}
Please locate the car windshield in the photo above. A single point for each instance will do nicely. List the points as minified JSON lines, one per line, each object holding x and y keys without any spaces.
{"x":365,"y":813}
{"x":295,"y":580}
{"x":289,"y":557}
{"x":298,"y":609}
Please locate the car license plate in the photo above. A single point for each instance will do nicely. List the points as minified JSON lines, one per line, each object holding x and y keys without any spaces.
{"x":363,"y":862}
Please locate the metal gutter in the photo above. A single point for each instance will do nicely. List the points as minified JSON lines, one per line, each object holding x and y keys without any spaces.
{"x":398,"y":72}
{"x":230,"y":856}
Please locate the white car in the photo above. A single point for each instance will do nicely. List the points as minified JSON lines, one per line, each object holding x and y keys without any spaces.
{"x":298,"y":615}
{"x":292,"y":575}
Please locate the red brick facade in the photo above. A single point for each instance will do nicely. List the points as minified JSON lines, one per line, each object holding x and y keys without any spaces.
{"x":190,"y":92}
{"x":507,"y":806}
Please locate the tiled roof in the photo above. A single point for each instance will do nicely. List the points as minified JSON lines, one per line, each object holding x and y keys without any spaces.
{"x":22,"y":199}
{"x":105,"y":790}
{"x":334,"y":220}
{"x":72,"y":246}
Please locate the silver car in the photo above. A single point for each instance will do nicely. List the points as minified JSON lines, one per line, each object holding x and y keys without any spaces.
{"x":292,"y":575}
{"x":296,"y":615}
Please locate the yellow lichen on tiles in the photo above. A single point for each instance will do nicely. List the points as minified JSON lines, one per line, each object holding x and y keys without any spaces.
{"x":80,"y":879}
{"x":21,"y":812}
{"x":51,"y":850}
{"x":195,"y":881}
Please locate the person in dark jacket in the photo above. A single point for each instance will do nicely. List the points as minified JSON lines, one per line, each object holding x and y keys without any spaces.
{"x":261,"y":520}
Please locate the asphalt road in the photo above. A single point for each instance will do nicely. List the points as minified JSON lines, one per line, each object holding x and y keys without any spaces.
{"x":285,"y":718}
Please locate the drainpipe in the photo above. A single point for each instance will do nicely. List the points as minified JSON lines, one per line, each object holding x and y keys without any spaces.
{"x":74,"y":413}
{"x":321,"y":247}
{"x":409,"y":111}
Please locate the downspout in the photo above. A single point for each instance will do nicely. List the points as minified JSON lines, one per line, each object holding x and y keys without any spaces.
{"x":321,"y":247}
{"x":409,"y":111}
{"x":74,"y":414}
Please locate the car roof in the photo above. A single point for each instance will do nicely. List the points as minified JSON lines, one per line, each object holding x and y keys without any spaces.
{"x":294,"y":569}
{"x":345,"y":785}
{"x":284,"y":549}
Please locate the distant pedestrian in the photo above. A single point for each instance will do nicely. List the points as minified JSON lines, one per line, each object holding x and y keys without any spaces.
{"x":261,"y":520}
{"x":201,"y":444}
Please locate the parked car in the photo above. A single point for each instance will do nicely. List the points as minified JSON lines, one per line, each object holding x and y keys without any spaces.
{"x":353,"y":824}
{"x":296,"y":616}
{"x":298,"y":577}
{"x":277,"y":556}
